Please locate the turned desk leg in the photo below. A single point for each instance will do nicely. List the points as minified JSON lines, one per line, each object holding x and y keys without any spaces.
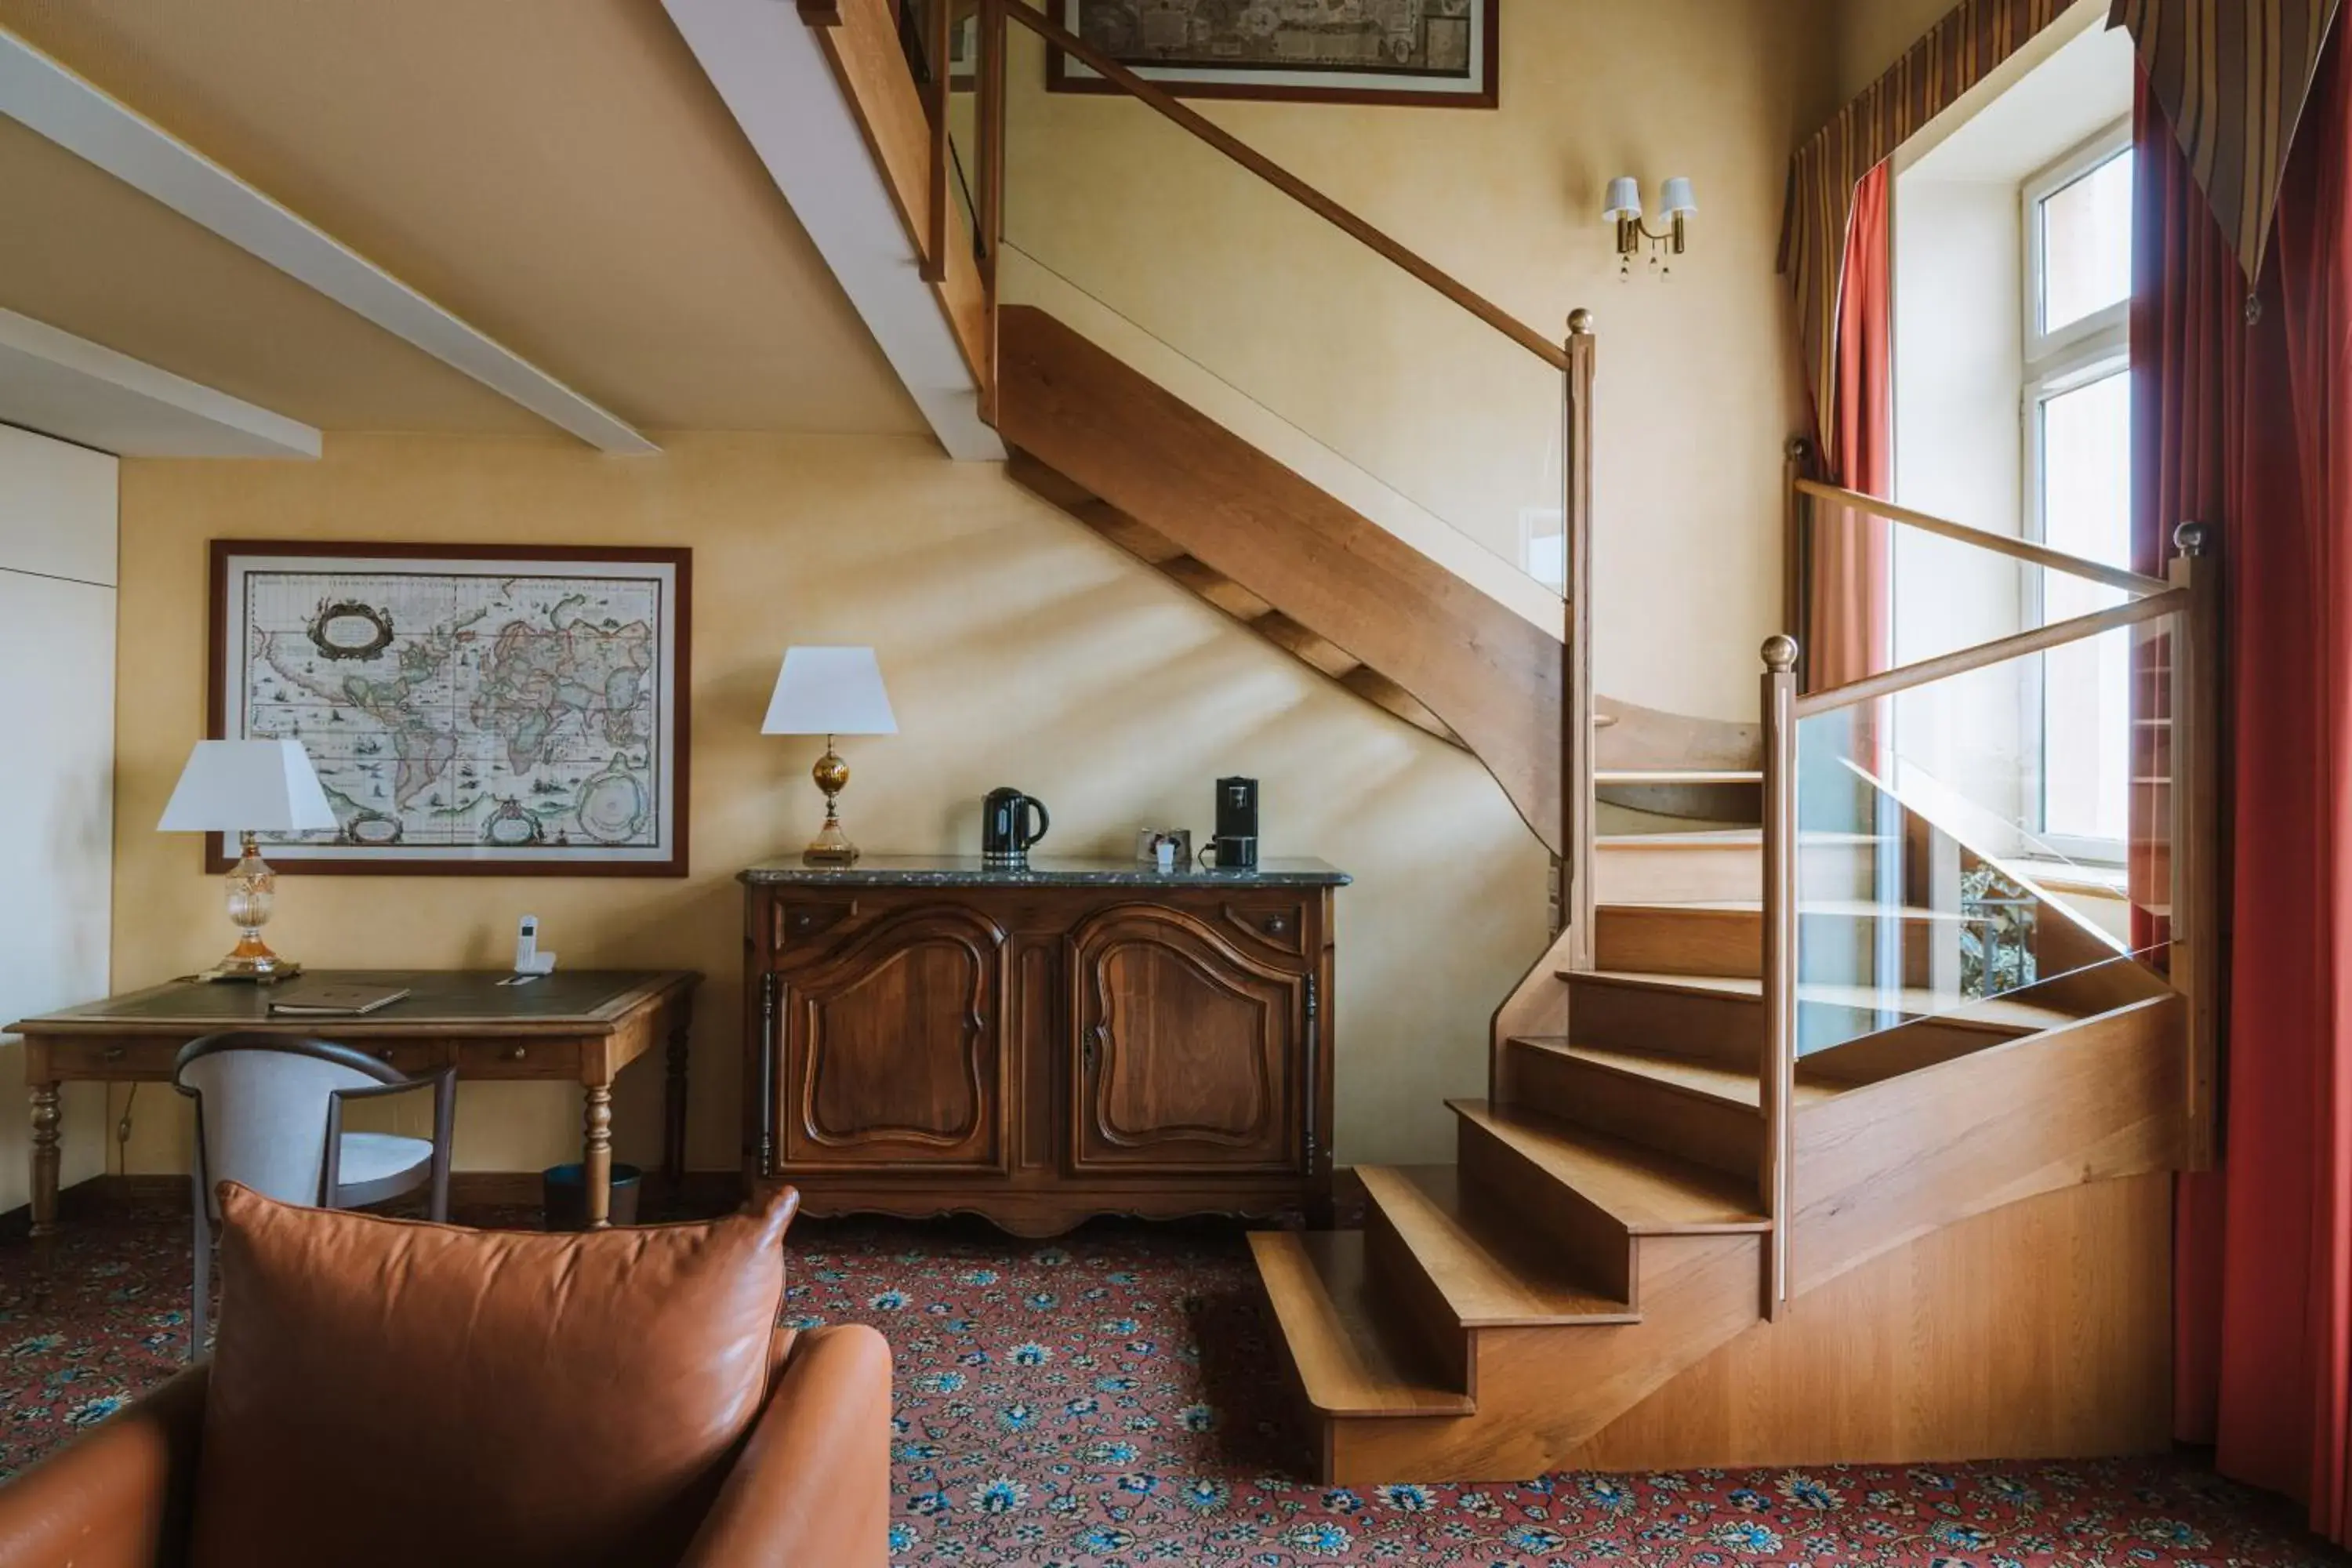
{"x":674,"y":1106}
{"x":45,"y":1159}
{"x":596,"y":1155}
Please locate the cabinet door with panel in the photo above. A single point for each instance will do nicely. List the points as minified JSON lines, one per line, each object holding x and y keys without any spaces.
{"x":1190,"y":1052}
{"x":893,"y":1047}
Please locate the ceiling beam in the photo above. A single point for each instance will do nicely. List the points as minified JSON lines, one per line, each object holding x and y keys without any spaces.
{"x":58,"y":384}
{"x":770,"y":69}
{"x":53,"y":102}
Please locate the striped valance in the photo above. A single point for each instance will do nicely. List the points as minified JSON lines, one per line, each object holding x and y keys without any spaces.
{"x":1964,"y":49}
{"x":2232,"y":77}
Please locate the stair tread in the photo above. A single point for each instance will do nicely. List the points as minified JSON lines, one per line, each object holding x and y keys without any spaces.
{"x":1726,"y":838}
{"x":1318,"y":1285}
{"x":1691,"y":1073}
{"x":1646,"y":1190}
{"x":1913,"y":1001}
{"x":1488,"y":1280}
{"x":1852,"y":908}
{"x":1676,"y":775}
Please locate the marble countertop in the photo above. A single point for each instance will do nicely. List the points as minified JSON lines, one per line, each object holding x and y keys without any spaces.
{"x":1042,"y":871}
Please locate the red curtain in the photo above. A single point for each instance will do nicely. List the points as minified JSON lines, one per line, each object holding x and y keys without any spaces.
{"x":2247,"y":425}
{"x":1849,"y":608}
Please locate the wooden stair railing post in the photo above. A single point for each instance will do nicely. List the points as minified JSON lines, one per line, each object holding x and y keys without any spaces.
{"x":2194,"y":767}
{"x":1778,"y":1067}
{"x":1578,"y":904}
{"x":1796,"y":542}
{"x":938,"y":33}
{"x":990,"y":112}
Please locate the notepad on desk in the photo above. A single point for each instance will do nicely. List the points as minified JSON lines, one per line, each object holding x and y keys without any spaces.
{"x":337,"y":1001}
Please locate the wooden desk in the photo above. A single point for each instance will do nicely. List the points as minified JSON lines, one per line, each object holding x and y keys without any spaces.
{"x":579,"y":1025}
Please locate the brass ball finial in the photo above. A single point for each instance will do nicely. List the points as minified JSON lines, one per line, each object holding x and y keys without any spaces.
{"x":1580,"y":322}
{"x":2192,"y":539}
{"x":1780,"y":652}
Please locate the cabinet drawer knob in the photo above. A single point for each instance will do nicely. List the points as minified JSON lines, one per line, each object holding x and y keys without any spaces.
{"x":802,"y":920}
{"x":115,"y":1053}
{"x":383,"y":1053}
{"x":515,"y":1054}
{"x":1277,"y":924}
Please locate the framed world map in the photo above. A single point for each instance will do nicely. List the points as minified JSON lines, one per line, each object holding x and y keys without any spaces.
{"x":490,"y":709}
{"x":1428,"y":52}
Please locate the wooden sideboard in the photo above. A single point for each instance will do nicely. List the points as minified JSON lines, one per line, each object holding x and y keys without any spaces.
{"x":927,"y":1036}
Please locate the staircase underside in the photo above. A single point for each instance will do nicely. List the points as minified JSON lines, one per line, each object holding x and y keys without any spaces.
{"x":1324,"y":584}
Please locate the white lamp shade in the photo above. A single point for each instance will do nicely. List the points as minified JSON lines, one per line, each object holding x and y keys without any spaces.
{"x":247,"y":786}
{"x":1624,"y":199}
{"x":1678,"y":199}
{"x":829,"y":691}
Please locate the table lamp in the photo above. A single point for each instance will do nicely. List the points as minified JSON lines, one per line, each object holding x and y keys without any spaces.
{"x":830,"y":691}
{"x":247,"y":787}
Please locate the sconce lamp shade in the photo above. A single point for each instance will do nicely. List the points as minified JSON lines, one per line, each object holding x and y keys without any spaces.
{"x":247,"y":786}
{"x":1624,"y":199}
{"x":1678,"y":200}
{"x":829,"y":691}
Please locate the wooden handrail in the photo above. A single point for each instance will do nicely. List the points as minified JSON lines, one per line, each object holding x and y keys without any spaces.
{"x":2040,"y":639}
{"x":2000,"y":544}
{"x":1283,"y":180}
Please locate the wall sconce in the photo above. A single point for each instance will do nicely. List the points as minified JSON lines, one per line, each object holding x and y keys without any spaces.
{"x":1623,"y":208}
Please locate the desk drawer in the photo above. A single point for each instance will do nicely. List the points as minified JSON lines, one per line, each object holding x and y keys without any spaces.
{"x":553,"y":1058}
{"x":138,"y":1059}
{"x":408,"y":1056}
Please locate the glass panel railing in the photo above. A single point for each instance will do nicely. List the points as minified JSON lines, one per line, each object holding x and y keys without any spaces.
{"x":2097,"y":985}
{"x":1967,"y":838}
{"x":1255,"y":310}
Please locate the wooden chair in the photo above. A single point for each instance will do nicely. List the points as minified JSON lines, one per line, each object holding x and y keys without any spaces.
{"x":269,"y":1114}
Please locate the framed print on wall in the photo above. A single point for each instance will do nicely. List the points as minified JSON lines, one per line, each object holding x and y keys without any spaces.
{"x":1424,"y":52}
{"x":501,"y":709}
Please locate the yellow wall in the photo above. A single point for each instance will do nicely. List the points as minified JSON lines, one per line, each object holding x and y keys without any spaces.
{"x":1698,"y":386}
{"x":1019,"y":650}
{"x":1872,"y":35}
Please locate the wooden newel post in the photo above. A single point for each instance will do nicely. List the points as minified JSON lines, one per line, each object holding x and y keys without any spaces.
{"x":2197,"y":880}
{"x":1578,"y":799}
{"x":1779,"y":1068}
{"x":1796,"y":536}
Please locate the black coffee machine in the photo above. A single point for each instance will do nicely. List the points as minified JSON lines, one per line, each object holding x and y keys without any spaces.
{"x":1005,"y":831}
{"x":1236,"y":845}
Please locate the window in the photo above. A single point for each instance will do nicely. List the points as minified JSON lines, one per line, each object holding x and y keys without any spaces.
{"x":2077,"y":411}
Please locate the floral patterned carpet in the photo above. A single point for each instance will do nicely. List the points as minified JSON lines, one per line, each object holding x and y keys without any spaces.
{"x":1111,"y":1399}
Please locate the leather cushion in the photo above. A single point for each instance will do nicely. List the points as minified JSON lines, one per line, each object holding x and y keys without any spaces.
{"x":385,"y":1392}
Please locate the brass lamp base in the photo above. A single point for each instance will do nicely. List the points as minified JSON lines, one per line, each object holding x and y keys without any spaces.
{"x":831,"y":847}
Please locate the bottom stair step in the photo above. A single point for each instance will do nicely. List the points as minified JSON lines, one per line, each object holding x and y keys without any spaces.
{"x":1488,"y":1271}
{"x":1347,"y":1364}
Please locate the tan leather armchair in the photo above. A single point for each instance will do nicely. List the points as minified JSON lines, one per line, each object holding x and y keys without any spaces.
{"x":809,"y":1487}
{"x":385,"y":1393}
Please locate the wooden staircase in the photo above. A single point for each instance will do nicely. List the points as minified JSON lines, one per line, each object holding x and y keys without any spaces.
{"x":1667,"y":1239}
{"x":1583,"y":1286}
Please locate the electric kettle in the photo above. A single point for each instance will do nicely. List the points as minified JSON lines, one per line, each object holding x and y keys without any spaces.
{"x":1006,"y":832}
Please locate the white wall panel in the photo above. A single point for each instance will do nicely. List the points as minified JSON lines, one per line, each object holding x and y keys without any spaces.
{"x":57,"y":782}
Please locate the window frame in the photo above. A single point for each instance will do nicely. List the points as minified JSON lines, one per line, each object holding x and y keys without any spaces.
{"x":2044,"y":345}
{"x":2057,"y":362}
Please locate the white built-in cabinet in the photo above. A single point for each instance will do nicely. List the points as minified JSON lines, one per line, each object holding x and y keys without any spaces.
{"x":56,"y":769}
